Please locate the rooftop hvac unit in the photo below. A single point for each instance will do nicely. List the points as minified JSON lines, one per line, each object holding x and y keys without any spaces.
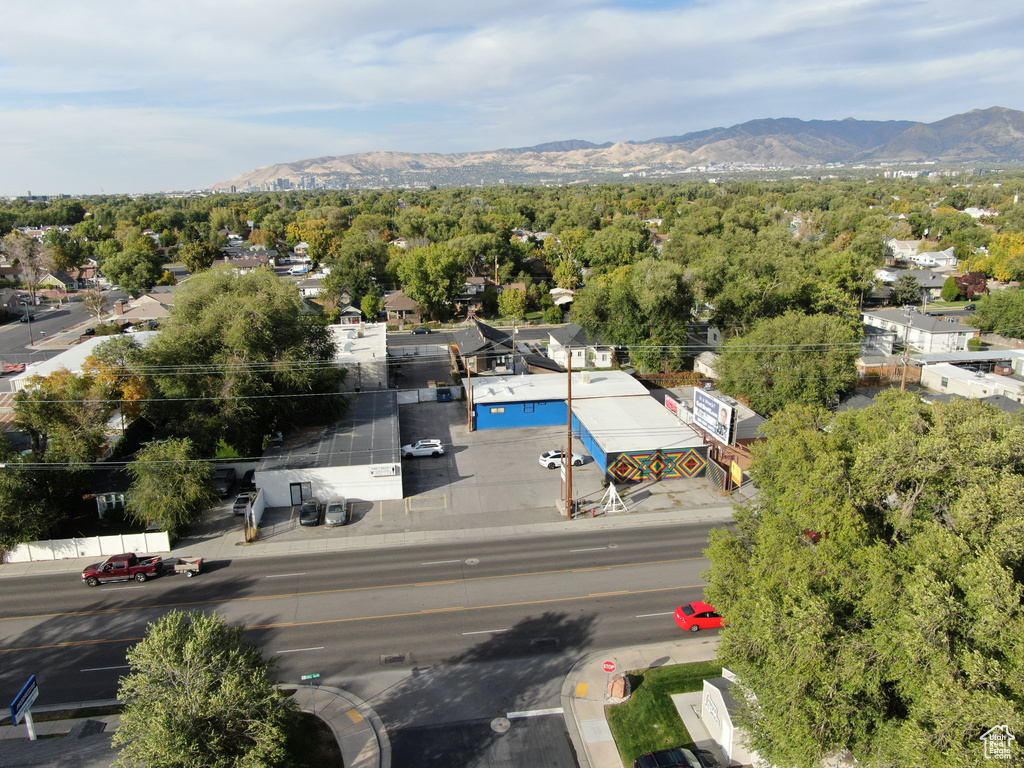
{"x":585,"y":377}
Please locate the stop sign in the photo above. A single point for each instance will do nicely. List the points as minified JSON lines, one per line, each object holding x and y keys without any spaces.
{"x":608,"y":666}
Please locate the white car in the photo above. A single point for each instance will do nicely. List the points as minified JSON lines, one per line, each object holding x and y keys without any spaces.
{"x":553,"y":459}
{"x":423,"y":448}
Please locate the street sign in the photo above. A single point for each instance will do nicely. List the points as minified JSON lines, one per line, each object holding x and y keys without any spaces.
{"x":24,"y":700}
{"x":307,"y":678}
{"x":608,"y":666}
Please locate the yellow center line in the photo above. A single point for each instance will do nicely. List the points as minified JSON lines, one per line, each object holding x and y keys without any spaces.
{"x":342,"y":590}
{"x":380,"y":617}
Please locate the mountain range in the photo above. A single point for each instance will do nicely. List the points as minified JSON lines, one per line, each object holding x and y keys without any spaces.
{"x":984,"y":137}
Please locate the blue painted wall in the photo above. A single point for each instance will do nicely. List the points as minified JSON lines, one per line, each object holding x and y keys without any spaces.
{"x":544,"y":413}
{"x":590,"y":445}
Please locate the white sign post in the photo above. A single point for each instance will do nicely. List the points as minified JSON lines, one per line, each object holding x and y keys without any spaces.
{"x":22,"y":705}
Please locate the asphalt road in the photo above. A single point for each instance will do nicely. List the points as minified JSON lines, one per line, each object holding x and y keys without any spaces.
{"x":488,"y":627}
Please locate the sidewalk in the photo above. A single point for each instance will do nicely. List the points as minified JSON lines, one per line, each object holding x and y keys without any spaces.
{"x":584,"y":689}
{"x":229,"y":545}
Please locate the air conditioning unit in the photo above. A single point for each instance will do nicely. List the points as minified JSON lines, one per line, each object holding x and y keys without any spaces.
{"x":585,"y":377}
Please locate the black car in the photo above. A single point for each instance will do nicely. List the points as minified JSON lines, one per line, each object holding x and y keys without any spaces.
{"x":309,"y":512}
{"x":677,"y":757}
{"x":418,"y":331}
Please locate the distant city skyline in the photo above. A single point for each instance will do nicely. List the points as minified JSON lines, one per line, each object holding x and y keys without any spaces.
{"x":126,"y":97}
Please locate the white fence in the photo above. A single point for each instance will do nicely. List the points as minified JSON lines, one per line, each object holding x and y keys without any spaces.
{"x":95,"y":546}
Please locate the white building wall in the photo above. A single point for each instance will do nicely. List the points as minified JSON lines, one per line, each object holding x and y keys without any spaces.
{"x":354,"y":482}
{"x":951,"y":380}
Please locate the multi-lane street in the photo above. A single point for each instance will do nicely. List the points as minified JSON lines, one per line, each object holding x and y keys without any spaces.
{"x":428,"y":635}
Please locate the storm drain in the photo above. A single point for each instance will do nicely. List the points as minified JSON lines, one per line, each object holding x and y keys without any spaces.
{"x":394,"y":658}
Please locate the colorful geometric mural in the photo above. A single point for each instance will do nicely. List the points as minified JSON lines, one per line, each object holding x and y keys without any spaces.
{"x":654,"y":465}
{"x":718,"y":475}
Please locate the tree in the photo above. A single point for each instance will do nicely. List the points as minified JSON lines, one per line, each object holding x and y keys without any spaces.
{"x":512,"y":303}
{"x":26,"y":253}
{"x":24,"y":514}
{"x":1001,"y":312}
{"x":372,"y":305}
{"x":239,"y":359}
{"x":169,"y":485}
{"x":794,"y":358}
{"x":199,"y":693}
{"x":65,"y":414}
{"x":874,"y":589}
{"x":65,"y":251}
{"x":950,"y":289}
{"x":135,"y":271}
{"x":198,"y":256}
{"x":432,"y":276}
{"x":94,"y":302}
{"x":905,"y":290}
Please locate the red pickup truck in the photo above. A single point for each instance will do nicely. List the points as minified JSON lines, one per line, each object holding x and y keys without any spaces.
{"x":122,"y":568}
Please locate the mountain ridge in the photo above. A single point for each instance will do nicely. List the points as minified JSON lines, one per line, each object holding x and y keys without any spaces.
{"x":993,"y":135}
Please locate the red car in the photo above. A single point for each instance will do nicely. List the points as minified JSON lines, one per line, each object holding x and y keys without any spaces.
{"x":698,"y":615}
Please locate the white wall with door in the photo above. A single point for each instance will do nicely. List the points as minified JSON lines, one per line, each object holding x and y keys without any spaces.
{"x":287,"y":487}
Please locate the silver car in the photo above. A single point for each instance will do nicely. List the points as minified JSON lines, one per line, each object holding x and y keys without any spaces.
{"x":337,"y":512}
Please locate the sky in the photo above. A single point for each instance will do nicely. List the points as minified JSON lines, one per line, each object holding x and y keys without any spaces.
{"x":128,"y":96}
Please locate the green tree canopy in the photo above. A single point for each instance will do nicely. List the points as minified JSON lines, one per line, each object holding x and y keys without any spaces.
{"x":512,"y":303}
{"x":874,"y":589}
{"x":794,"y":358}
{"x":200,"y":694}
{"x":433,"y":276}
{"x":169,"y":485}
{"x":239,"y":358}
{"x":1001,"y":312}
{"x":134,"y":270}
{"x":198,"y":256}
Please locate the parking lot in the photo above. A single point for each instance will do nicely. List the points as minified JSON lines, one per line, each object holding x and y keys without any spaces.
{"x":485,"y":479}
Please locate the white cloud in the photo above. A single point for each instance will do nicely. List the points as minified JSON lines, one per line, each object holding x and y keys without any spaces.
{"x":127,"y":95}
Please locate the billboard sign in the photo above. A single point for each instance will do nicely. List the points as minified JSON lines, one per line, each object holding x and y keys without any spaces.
{"x":713,"y":416}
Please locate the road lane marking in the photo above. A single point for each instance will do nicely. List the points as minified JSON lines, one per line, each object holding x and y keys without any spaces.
{"x":648,"y":615}
{"x":118,"y":589}
{"x":441,"y":562}
{"x":536,"y":712}
{"x":300,"y":650}
{"x":342,"y":590}
{"x":104,"y":669}
{"x":283,"y":575}
{"x":606,"y":594}
{"x":590,"y":549}
{"x":485,"y":632}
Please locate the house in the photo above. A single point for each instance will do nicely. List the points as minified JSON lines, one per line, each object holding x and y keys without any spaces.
{"x":152,"y":306}
{"x":705,"y":364}
{"x":310,"y":287}
{"x":401,"y":308}
{"x":919,"y":331}
{"x":11,"y":301}
{"x":471,"y":300}
{"x":929,"y":281}
{"x":586,"y":351}
{"x":484,"y":349}
{"x":349,"y":315}
{"x":909,"y":251}
{"x":58,"y":280}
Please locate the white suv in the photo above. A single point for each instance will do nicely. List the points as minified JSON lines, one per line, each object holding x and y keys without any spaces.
{"x":423,"y":448}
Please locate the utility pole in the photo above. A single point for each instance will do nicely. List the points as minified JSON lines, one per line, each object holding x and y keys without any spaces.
{"x":469,"y":397}
{"x":906,"y":353}
{"x":567,"y":456}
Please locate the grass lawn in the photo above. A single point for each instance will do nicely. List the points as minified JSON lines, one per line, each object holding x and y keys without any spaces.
{"x":311,"y":744}
{"x":649,"y":720}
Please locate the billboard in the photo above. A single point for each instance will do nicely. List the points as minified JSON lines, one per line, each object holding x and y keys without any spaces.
{"x":713,"y":416}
